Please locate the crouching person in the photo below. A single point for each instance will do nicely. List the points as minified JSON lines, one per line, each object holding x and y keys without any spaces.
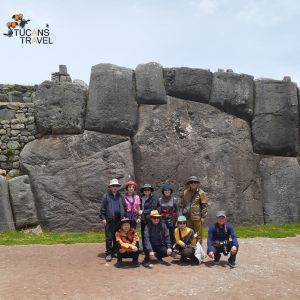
{"x":218,"y":240}
{"x":127,"y":243}
{"x":157,"y":240}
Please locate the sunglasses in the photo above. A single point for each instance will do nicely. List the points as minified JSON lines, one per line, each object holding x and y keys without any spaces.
{"x":147,"y":190}
{"x":156,"y":218}
{"x":181,"y":223}
{"x":193,"y":182}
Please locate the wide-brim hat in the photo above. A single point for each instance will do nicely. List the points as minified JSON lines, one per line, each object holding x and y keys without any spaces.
{"x":154,"y":213}
{"x":147,"y":186}
{"x":114,"y":182}
{"x":181,"y":219}
{"x":221,"y":213}
{"x":131,"y":182}
{"x":193,"y":178}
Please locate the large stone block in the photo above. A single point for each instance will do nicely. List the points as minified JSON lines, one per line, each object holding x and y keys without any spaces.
{"x":281,"y":189}
{"x":185,"y":138}
{"x":275,"y":123}
{"x":6,"y":216}
{"x":69,"y":174}
{"x":60,"y":107}
{"x":111,"y":105}
{"x":187,"y":83}
{"x":150,"y":84}
{"x":22,"y":202}
{"x":233,"y":93}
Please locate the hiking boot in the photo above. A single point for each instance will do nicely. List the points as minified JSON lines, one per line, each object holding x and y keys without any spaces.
{"x":217,"y":259}
{"x":118,"y":264}
{"x":108,"y":258}
{"x":231,"y":264}
{"x":136,"y":263}
{"x":195,"y":261}
{"x":147,"y":264}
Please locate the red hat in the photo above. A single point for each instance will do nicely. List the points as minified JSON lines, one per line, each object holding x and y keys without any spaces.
{"x":131,"y":183}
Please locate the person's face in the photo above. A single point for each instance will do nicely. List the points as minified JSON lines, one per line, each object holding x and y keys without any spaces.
{"x":131,"y":189}
{"x":147,"y":192}
{"x":125,"y":227}
{"x":193,"y":185}
{"x":181,"y":225}
{"x":155,"y":220}
{"x":114,"y":188}
{"x":167,"y":193}
{"x":221,"y":220}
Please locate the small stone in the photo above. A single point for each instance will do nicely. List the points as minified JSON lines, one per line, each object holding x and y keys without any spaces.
{"x":14,"y":173}
{"x":18,"y":126}
{"x":16,"y":165}
{"x":287,"y":78}
{"x":3,"y":158}
{"x":15,"y":132}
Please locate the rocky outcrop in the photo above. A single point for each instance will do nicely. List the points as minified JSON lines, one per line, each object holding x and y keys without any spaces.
{"x":187,"y":83}
{"x":281,"y":189}
{"x":150,"y":84}
{"x":111,"y":105}
{"x":183,"y":138}
{"x":60,"y":108}
{"x":6,"y":216}
{"x":275,"y":123}
{"x":22,"y":201}
{"x":69,"y":174}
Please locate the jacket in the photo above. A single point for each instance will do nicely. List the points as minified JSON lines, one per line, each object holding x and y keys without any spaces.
{"x":187,"y":237}
{"x":127,"y":240}
{"x":132,"y":206}
{"x":194,"y":205}
{"x":156,"y":235}
{"x":150,"y":204}
{"x":220,"y":233}
{"x":106,"y":210}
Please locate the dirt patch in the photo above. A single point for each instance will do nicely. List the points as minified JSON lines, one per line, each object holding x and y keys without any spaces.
{"x":267,"y":269}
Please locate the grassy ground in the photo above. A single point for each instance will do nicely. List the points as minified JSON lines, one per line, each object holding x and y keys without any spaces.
{"x":50,"y":238}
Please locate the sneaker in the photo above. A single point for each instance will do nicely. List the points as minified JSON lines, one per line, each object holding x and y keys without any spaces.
{"x":136,"y":263}
{"x":118,"y":264}
{"x":216,"y":261}
{"x":108,"y":258}
{"x":147,"y":264}
{"x":231,"y":264}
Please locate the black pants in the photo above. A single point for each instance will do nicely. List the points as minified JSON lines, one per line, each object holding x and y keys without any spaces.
{"x":133,"y":255}
{"x":171,"y":227}
{"x":110,"y":236}
{"x":143,"y":225}
{"x":225,"y":248}
{"x":160,"y":252}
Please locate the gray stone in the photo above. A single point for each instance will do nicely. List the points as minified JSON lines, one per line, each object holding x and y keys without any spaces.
{"x":15,"y":96}
{"x":63,"y":70}
{"x":275,"y":123}
{"x":111,"y":105}
{"x":14,"y":172}
{"x":187,"y":83}
{"x":281,"y":189}
{"x":6,"y":114}
{"x":3,"y":158}
{"x":22,"y":202}
{"x":185,"y":138}
{"x":81,"y":83}
{"x":233,"y":93}
{"x":60,"y":108}
{"x":69,"y":173}
{"x":6,"y":216}
{"x":3,"y":98}
{"x":150,"y":84}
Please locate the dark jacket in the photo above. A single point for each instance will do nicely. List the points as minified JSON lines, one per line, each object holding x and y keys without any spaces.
{"x":156,"y":235}
{"x":221,"y":234}
{"x":150,"y":204}
{"x":106,"y":211}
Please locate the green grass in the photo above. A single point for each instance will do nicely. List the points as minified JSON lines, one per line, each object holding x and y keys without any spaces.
{"x":51,"y":238}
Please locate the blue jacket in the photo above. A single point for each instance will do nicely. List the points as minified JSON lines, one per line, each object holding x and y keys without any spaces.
{"x":107,"y":211}
{"x":156,"y":235}
{"x":220,"y":233}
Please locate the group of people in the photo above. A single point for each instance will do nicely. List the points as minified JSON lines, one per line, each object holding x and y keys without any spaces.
{"x":168,"y":226}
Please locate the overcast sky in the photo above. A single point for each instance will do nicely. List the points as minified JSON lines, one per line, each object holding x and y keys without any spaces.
{"x":258,"y":37}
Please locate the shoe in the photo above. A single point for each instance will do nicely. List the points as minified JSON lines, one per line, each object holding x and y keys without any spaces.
{"x":136,"y":263}
{"x":108,"y":258}
{"x":195,"y":261}
{"x":147,"y":264}
{"x":231,"y":264}
{"x":216,"y":261}
{"x":114,"y":255}
{"x":119,"y":264}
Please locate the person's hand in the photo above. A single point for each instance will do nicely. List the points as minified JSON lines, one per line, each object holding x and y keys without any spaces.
{"x":211,"y":254}
{"x":169,"y":251}
{"x":202,"y":220}
{"x":103,"y":222}
{"x":152,"y":255}
{"x":233,"y":249}
{"x":134,"y":248}
{"x":195,"y":235}
{"x":138,"y":220}
{"x":140,"y":212}
{"x":183,"y":245}
{"x":122,"y":250}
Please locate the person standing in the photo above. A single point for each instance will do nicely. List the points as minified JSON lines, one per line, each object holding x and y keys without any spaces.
{"x":194,"y":206}
{"x":113,"y":209}
{"x":132,"y":203}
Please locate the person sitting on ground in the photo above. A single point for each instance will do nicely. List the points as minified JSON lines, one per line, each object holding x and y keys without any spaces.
{"x":186,"y":241}
{"x":157,"y":240}
{"x":132,"y":203}
{"x":218,"y":240}
{"x":128,"y":243}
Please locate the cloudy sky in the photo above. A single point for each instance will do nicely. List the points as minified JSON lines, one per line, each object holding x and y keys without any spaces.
{"x":257,"y":37}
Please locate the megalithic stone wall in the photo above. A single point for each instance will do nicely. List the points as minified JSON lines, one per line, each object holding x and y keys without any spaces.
{"x":240,"y":136}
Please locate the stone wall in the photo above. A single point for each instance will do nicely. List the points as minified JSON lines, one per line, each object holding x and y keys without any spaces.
{"x":153,"y":124}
